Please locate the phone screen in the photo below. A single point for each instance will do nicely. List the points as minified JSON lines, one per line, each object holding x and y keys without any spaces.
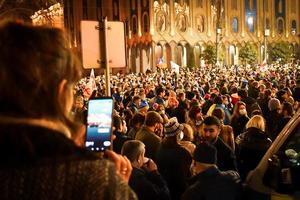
{"x":99,"y":124}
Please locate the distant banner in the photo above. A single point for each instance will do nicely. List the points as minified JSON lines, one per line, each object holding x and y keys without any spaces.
{"x":174,"y":67}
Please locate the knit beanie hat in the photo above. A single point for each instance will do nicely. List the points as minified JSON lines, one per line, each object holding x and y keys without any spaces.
{"x":172,"y":128}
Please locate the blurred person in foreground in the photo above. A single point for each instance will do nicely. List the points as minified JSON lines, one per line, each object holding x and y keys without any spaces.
{"x":208,"y":181}
{"x":39,"y":158}
{"x":145,"y":179}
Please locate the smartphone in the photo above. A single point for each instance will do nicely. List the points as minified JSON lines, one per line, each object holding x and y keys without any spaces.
{"x":99,"y":124}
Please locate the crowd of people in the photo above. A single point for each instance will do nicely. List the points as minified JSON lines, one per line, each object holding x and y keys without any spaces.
{"x":185,"y":135}
{"x":233,"y":112}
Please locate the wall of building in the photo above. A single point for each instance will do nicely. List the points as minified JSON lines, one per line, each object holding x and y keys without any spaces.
{"x":169,"y":30}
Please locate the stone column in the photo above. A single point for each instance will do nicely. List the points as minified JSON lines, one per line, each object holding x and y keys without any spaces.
{"x":209,"y":18}
{"x":287,"y":18}
{"x":227,"y":17}
{"x":242,"y":3}
{"x":259,"y":16}
{"x":273,"y":24}
{"x":151,"y":16}
{"x":191,"y":12}
{"x":139,"y":16}
{"x":172,"y":17}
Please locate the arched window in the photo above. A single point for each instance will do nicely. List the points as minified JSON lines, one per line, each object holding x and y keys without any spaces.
{"x":134,"y":25}
{"x":145,"y":23}
{"x":280,"y":25}
{"x":294,"y":27}
{"x":235,"y":25}
{"x":250,"y":23}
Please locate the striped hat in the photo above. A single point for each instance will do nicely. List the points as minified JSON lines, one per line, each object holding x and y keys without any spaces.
{"x":172,"y":128}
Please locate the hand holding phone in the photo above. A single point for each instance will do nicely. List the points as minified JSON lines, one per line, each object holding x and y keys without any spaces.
{"x":99,"y":124}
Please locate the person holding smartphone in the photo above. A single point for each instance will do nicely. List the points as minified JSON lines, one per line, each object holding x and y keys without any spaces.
{"x":39,"y":159}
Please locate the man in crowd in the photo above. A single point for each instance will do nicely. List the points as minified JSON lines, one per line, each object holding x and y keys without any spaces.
{"x":147,"y":134}
{"x":209,"y":182}
{"x":211,"y":130}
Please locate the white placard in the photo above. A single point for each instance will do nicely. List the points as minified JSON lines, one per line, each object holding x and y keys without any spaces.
{"x":115,"y":42}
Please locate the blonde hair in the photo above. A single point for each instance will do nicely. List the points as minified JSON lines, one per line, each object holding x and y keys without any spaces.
{"x":257,"y":121}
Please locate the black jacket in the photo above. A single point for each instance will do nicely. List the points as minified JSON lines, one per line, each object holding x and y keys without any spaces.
{"x":174,"y":165}
{"x":212,"y":184}
{"x":226,"y":159}
{"x":148,"y":185}
{"x":239,"y":124}
{"x":250,"y":148}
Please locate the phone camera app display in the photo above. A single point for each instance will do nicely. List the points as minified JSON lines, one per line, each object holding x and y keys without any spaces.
{"x":99,"y":124}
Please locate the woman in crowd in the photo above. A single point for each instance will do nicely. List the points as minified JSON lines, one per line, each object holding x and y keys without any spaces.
{"x":239,"y":118}
{"x":188,"y":138}
{"x":251,"y":145}
{"x":39,"y":160}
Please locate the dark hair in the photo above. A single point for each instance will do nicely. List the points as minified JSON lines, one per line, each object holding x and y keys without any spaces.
{"x":34,"y":61}
{"x":138,"y":118}
{"x":117,"y":122}
{"x":212,"y":120}
{"x":243,"y":93}
{"x":152,"y":118}
{"x":159,"y":90}
{"x":135,"y":98}
{"x":218,"y":100}
{"x":219,"y":113}
{"x":194,"y":110}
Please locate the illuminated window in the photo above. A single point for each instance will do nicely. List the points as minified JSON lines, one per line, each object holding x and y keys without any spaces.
{"x":250,"y":23}
{"x":235,"y":25}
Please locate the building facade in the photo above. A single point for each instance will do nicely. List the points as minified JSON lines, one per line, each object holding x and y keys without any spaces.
{"x":174,"y":30}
